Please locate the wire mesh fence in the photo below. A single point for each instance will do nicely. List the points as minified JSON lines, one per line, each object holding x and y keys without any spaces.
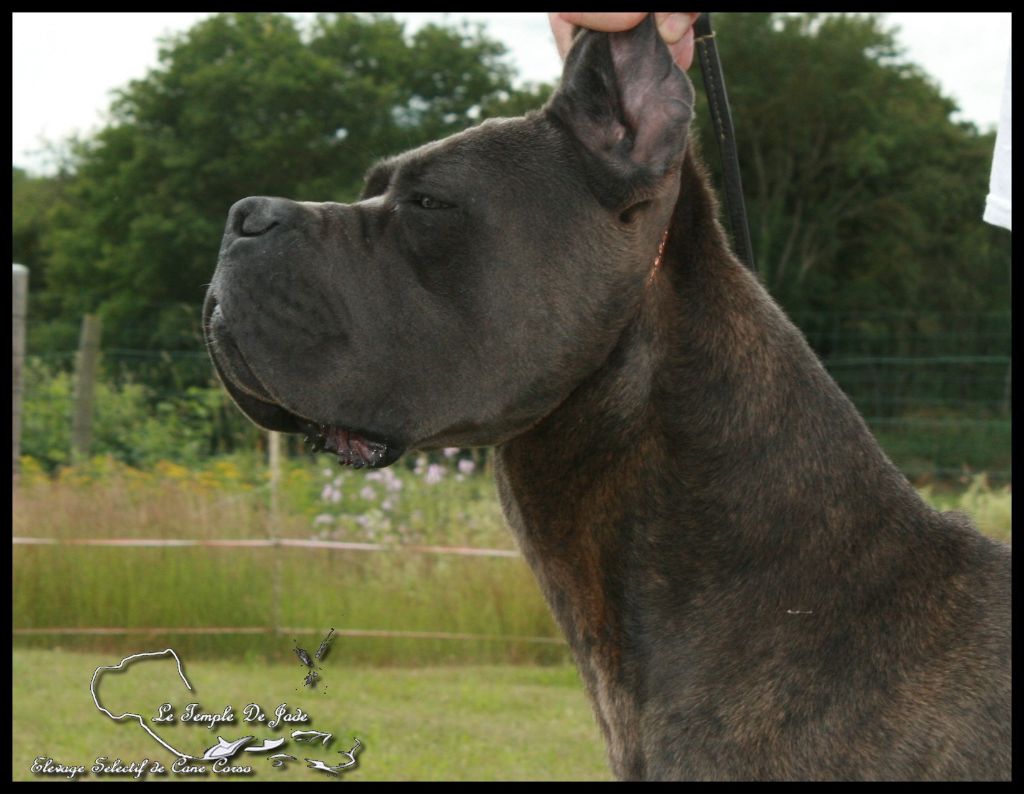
{"x":936,"y":395}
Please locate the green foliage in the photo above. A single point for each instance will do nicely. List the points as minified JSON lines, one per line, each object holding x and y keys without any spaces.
{"x":31,"y":237}
{"x":132,"y":421}
{"x":862,"y":193}
{"x":28,"y":218}
{"x":46,"y":415}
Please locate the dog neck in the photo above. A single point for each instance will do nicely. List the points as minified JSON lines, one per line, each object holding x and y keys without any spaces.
{"x":686,"y":471}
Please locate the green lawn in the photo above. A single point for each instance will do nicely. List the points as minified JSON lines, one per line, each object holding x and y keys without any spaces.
{"x":451,"y":723}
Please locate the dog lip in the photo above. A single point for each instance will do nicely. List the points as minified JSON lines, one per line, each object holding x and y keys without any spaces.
{"x":354,"y":447}
{"x":228,"y":357}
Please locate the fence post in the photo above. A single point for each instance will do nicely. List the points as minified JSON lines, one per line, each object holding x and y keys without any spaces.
{"x":274,"y":455}
{"x":85,"y":386}
{"x":19,"y":308}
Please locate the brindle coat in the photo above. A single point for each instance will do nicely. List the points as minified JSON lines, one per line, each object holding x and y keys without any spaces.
{"x":751,"y":590}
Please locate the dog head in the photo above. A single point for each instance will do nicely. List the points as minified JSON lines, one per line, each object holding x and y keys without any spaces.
{"x":476,"y":283}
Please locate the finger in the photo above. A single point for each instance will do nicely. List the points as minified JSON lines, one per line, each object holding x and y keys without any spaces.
{"x":673,"y":26}
{"x":682,"y":51}
{"x":562,"y":31}
{"x":606,"y":21}
{"x":676,"y":30}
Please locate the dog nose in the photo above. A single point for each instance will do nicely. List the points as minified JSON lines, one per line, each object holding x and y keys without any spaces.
{"x":257,"y":215}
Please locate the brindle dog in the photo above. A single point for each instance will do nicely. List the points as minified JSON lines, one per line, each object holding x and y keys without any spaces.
{"x":751,"y":590}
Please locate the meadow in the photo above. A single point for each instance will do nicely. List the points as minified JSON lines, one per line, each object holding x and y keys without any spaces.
{"x":445,"y":503}
{"x":445,"y":666}
{"x":490,"y":602}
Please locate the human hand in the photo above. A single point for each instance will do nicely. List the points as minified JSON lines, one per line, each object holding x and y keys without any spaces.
{"x":676,"y":29}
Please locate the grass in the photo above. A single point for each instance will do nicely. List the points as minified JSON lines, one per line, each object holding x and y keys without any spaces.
{"x":499,"y":707}
{"x":290,"y":587}
{"x":446,"y":503}
{"x":314,"y":589}
{"x":451,"y":723}
{"x":991,"y":508}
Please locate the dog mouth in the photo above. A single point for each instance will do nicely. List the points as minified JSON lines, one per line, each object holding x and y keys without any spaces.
{"x":354,"y":447}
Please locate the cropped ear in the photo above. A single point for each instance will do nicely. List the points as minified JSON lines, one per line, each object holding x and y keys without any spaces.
{"x":624,"y":99}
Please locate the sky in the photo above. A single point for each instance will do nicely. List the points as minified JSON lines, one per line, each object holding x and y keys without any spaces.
{"x":65,"y":65}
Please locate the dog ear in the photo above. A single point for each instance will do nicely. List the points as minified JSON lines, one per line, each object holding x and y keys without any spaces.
{"x":624,"y":99}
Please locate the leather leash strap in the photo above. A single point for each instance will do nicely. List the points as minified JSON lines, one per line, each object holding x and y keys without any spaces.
{"x":718,"y":102}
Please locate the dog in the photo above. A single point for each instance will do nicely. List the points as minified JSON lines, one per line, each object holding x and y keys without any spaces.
{"x":750,"y":588}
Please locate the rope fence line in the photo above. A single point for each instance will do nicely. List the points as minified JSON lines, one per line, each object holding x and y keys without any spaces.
{"x":337,"y":545}
{"x":381,"y":633}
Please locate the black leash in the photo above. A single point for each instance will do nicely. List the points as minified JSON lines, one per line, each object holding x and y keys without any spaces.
{"x":718,"y":102}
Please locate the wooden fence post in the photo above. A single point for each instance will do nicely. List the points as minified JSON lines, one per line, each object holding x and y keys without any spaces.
{"x":19,"y":308}
{"x":274,"y":462}
{"x":85,"y":386}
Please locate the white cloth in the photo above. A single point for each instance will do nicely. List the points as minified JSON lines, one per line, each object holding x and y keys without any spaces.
{"x":997,"y":205}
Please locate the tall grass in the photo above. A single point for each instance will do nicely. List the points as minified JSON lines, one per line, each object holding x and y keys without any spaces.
{"x":447,"y":501}
{"x":990,"y":508}
{"x":289,"y":588}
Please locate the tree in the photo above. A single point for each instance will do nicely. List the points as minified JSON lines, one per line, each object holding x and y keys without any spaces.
{"x":863,"y":194}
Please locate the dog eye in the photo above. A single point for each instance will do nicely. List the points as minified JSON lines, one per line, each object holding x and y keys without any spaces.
{"x":430,"y":203}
